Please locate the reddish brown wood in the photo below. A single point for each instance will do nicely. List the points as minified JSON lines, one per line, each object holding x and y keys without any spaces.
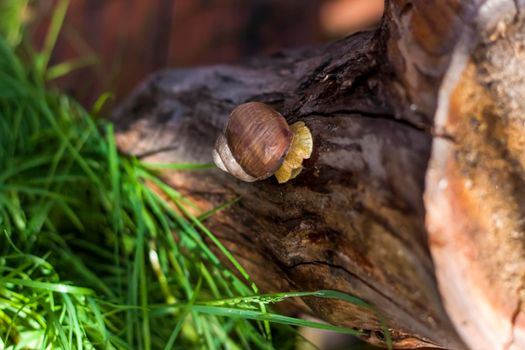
{"x":129,"y":39}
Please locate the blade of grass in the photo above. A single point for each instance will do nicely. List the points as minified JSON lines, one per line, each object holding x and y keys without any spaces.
{"x":229,"y":256}
{"x":64,"y":68}
{"x":202,"y":217}
{"x":54,"y":29}
{"x":100,"y":102}
{"x":53,"y":287}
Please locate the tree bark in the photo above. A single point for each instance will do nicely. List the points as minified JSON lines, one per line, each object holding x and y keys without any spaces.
{"x":418,"y":155}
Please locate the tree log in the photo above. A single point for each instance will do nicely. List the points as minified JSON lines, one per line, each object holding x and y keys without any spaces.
{"x":418,"y":155}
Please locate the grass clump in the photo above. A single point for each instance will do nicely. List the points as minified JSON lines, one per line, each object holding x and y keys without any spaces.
{"x":90,"y":255}
{"x":87,"y":248}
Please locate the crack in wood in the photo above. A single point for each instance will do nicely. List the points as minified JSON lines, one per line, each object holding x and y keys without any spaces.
{"x":357,"y":277}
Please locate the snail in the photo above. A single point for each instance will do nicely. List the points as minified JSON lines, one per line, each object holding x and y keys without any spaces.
{"x":257,"y":143}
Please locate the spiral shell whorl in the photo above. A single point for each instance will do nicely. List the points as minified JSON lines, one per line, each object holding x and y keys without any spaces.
{"x":258,"y":143}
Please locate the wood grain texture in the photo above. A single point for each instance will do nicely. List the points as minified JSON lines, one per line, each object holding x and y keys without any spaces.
{"x":356,"y":206}
{"x":418,"y":155}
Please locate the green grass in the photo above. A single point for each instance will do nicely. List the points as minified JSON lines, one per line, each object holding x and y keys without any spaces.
{"x":91,"y":257}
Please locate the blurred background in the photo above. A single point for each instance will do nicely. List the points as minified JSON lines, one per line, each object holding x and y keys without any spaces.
{"x":114,"y":44}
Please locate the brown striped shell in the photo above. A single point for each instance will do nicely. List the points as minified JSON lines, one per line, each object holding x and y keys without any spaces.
{"x":255,"y":142}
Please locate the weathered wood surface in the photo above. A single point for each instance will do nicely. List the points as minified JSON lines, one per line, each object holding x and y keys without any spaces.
{"x":475,"y":197}
{"x":425,"y":107}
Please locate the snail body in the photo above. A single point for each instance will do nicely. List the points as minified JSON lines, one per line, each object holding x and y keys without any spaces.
{"x":257,"y":143}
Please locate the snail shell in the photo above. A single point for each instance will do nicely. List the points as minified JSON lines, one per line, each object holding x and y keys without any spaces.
{"x":257,"y":144}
